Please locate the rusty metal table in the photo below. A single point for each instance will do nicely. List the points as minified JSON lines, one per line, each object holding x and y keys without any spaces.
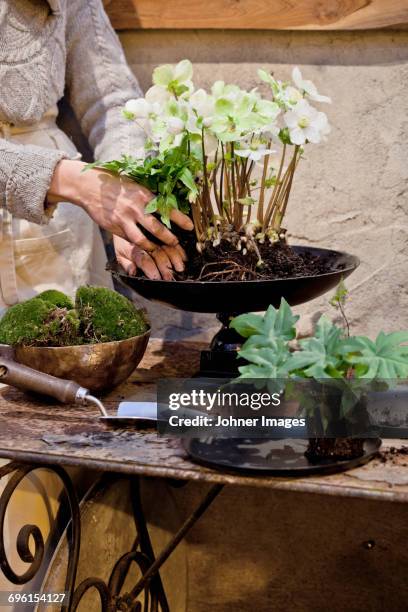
{"x":35,"y":433}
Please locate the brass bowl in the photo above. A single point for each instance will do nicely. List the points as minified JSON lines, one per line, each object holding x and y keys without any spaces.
{"x":95,"y":366}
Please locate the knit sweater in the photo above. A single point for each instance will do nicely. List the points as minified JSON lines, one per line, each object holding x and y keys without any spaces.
{"x":46,"y":47}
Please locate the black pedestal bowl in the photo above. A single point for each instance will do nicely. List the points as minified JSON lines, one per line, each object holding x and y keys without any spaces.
{"x":230,"y":298}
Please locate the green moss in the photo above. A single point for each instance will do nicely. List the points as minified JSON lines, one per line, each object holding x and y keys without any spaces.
{"x":101,"y":315}
{"x":56,"y":298}
{"x":106,"y":315}
{"x":39,"y":323}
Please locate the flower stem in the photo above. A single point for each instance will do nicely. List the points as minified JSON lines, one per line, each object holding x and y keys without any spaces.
{"x":271,"y":204}
{"x":260,"y":215}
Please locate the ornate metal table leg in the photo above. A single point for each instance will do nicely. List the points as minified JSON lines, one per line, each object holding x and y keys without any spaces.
{"x":17,"y":472}
{"x":142,"y":555}
{"x":150,"y":584}
{"x":151,"y":578}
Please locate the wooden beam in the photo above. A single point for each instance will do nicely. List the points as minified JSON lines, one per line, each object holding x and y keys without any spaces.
{"x":258,"y":14}
{"x":122,"y":14}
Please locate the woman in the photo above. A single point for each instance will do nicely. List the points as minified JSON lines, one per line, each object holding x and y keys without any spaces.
{"x":48,"y":46}
{"x":49,"y":206}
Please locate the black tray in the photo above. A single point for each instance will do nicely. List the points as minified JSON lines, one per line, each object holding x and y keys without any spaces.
{"x":283,"y":457}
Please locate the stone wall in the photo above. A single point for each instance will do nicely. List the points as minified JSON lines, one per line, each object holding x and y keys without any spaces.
{"x":351,"y":192}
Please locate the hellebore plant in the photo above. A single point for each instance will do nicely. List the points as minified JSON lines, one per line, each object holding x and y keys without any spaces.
{"x":202,"y":149}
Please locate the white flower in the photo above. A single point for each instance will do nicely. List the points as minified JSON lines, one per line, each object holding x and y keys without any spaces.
{"x":308,"y":87}
{"x":203,"y":106}
{"x":289,"y":96}
{"x":175,"y":79}
{"x":139,"y":108}
{"x":174,"y":125}
{"x":283,"y":93}
{"x":254,"y":152}
{"x":305,"y":123}
{"x":142,"y":108}
{"x":221,"y":90}
{"x":157,"y":95}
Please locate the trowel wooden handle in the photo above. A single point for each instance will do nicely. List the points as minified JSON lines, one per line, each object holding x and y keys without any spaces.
{"x":18,"y":375}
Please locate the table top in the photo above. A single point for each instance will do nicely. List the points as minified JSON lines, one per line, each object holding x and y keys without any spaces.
{"x":32,"y":430}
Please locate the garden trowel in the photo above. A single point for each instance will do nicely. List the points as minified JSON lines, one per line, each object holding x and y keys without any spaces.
{"x":69,"y":392}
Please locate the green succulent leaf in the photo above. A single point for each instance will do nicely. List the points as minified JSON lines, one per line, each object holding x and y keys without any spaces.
{"x":383,"y":358}
{"x":275,"y":323}
{"x":319,"y":356}
{"x":266,"y":362}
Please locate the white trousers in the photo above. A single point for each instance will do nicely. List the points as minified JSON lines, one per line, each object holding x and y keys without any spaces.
{"x":62,"y":255}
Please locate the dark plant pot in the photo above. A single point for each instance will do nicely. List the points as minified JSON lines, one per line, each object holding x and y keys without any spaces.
{"x":342,"y":441}
{"x":242,"y":296}
{"x":231,"y":298}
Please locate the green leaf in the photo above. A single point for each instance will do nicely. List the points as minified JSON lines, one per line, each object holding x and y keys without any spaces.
{"x":340,"y":295}
{"x":94,"y":164}
{"x":171,"y":202}
{"x":247,"y":324}
{"x":187,"y":179}
{"x":319,"y":356}
{"x":152,"y":206}
{"x":246,"y":201}
{"x":285,"y":136}
{"x":384,"y":358}
{"x":270,"y":182}
{"x":275,"y":323}
{"x":265,"y":362}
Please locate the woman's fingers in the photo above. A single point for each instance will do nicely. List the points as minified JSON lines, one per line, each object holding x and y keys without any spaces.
{"x":158,"y":230}
{"x":175,"y":254}
{"x":181,"y":252}
{"x":157,"y":264}
{"x":163,"y":262}
{"x":181,"y":220}
{"x":131,"y":257}
{"x":128,"y":266}
{"x":147,"y":264}
{"x":134,"y":235}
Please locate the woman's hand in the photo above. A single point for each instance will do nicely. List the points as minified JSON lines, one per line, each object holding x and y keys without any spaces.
{"x":156,"y":265}
{"x":117,"y":204}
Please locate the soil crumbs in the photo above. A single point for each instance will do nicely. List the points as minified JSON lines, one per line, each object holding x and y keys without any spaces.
{"x":395,"y":456}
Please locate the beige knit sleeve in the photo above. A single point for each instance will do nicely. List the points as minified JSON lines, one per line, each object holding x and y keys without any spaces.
{"x":99,"y":81}
{"x":25,"y":176}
